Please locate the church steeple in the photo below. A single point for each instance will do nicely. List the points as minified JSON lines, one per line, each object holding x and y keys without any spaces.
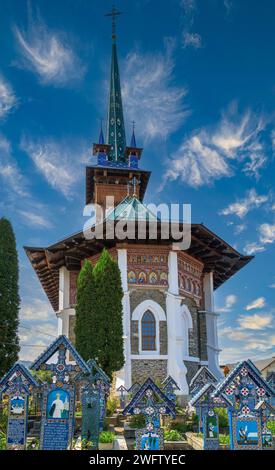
{"x":115,"y":126}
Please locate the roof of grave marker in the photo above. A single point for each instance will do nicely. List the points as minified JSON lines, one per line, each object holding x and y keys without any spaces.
{"x":54,"y":347}
{"x":252,"y":371}
{"x":150,"y":385}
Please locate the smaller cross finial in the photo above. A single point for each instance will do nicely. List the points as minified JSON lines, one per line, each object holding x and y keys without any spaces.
{"x":133,"y":139}
{"x":113,"y":14}
{"x":134,"y":183}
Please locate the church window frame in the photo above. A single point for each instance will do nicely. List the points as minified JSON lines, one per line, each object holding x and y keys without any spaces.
{"x":159,"y":315}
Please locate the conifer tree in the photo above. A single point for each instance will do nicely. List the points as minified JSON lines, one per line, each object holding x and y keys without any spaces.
{"x":84,"y":326}
{"x":108,"y":314}
{"x":9,"y":297}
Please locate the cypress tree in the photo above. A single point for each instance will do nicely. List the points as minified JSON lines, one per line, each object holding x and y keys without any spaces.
{"x":9,"y":297}
{"x":108,"y":314}
{"x":84,"y":326}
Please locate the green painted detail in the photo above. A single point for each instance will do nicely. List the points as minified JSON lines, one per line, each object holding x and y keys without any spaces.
{"x":115,"y":127}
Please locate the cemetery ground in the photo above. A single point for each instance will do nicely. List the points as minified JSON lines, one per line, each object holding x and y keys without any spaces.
{"x":180,"y":433}
{"x":65,"y":403}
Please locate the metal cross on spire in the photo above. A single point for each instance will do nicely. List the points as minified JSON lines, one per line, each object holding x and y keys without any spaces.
{"x":113,"y":14}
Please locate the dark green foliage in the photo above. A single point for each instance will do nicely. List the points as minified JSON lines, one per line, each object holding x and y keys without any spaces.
{"x":99,"y":329}
{"x":108,"y":314}
{"x":137,"y":421}
{"x":85,"y":323}
{"x":9,"y":298}
{"x":223,"y":417}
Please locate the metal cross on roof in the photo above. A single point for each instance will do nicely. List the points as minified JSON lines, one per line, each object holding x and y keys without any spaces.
{"x":113,"y":14}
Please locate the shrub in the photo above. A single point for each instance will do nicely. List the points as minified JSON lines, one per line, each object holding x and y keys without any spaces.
{"x":172,"y":435}
{"x":224,"y":439}
{"x":223,"y":417}
{"x":137,"y":421}
{"x":181,"y":427}
{"x":33,"y":444}
{"x":112,"y":405}
{"x":271,"y":427}
{"x":106,"y":437}
{"x":3,"y":441}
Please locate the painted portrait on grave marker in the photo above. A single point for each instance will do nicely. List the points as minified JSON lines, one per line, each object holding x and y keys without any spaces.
{"x":149,"y":441}
{"x":58,"y":404}
{"x":212,"y":430}
{"x":247,"y":432}
{"x":17,"y":405}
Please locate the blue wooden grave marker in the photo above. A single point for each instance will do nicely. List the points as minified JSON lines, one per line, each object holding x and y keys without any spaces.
{"x":169,"y":387}
{"x":122,"y":395}
{"x":17,"y":384}
{"x":202,"y":377}
{"x":93,"y":396}
{"x":246,"y":388}
{"x":205,"y":405}
{"x":58,"y":405}
{"x":134,"y":388}
{"x":151,"y":402}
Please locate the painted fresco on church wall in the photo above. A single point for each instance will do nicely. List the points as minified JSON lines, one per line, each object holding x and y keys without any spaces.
{"x":148,"y":268}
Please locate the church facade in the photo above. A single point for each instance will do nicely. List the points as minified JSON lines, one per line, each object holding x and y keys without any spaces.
{"x":169,"y":319}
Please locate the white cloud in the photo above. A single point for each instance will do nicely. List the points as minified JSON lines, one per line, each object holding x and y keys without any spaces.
{"x":191,"y":40}
{"x":10,"y":174}
{"x":257,"y":303}
{"x":49,"y":55}
{"x":267,"y":233}
{"x":240,"y":229}
{"x":272,"y":286}
{"x":7,"y":98}
{"x":38,"y":310}
{"x":151,"y":97}
{"x":253,"y":248}
{"x":197,"y":163}
{"x":255,"y":322}
{"x":208,"y":154}
{"x":234,"y":334}
{"x":251,"y":201}
{"x":230,"y":301}
{"x":37,"y":220}
{"x":59,"y":162}
{"x":261,"y":345}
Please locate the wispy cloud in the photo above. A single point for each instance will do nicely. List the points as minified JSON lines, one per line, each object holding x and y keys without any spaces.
{"x":255,"y":322}
{"x":255,"y":304}
{"x":10,"y":174}
{"x":230,"y":301}
{"x":59,"y":162}
{"x":253,"y":248}
{"x":240,"y":208}
{"x":34,"y":219}
{"x":191,"y":40}
{"x":208,"y":154}
{"x":7,"y":98}
{"x":154,"y":101}
{"x":39,"y":310}
{"x":189,"y":37}
{"x":48,"y":54}
{"x":267,"y":233}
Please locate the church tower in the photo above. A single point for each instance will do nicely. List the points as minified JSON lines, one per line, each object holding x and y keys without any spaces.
{"x":117,"y":170}
{"x":169,"y":319}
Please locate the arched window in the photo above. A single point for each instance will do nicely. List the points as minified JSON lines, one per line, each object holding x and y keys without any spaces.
{"x":148,"y":331}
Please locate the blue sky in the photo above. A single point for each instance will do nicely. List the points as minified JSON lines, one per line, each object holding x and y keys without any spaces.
{"x":198,"y":79}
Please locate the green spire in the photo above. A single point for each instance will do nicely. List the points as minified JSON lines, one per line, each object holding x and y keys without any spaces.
{"x":115,"y":130}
